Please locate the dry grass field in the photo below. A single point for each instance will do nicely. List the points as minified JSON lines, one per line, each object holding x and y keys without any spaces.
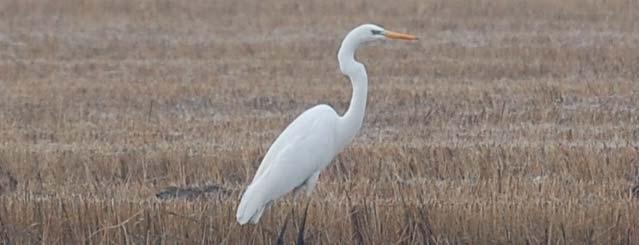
{"x":509,"y":121}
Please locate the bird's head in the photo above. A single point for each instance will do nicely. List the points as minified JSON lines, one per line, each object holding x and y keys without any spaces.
{"x":361,"y":35}
{"x":369,"y":32}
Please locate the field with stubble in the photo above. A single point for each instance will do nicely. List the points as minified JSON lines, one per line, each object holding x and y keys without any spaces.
{"x":507,"y":122}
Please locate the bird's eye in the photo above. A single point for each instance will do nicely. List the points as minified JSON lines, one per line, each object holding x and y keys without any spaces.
{"x":376,"y":32}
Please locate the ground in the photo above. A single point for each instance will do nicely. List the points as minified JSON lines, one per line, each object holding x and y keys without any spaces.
{"x":507,"y":122}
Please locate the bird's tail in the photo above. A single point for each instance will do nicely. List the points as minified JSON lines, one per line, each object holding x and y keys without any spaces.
{"x":251,"y":206}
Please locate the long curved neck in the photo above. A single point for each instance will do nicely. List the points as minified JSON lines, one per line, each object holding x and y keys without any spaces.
{"x":351,"y":121}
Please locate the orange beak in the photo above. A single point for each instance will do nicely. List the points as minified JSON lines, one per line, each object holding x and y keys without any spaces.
{"x":400,"y":36}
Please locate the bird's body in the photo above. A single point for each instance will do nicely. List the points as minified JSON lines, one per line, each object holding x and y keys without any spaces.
{"x":313,"y":139}
{"x":296,"y":158}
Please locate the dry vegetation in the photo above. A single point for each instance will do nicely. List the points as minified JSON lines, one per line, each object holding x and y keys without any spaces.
{"x":508,"y":122}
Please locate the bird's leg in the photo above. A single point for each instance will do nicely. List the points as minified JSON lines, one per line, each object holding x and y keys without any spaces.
{"x":300,"y":234}
{"x":280,"y":237}
{"x":308,"y":186}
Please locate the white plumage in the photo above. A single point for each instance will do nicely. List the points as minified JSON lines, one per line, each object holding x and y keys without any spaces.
{"x":314,"y":138}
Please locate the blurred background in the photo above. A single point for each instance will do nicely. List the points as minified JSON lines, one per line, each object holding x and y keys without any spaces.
{"x":143,"y":121}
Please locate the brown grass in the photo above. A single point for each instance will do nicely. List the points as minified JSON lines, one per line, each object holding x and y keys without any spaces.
{"x":508,"y":122}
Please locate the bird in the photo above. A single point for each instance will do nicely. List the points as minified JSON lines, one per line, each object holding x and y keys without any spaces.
{"x":308,"y":145}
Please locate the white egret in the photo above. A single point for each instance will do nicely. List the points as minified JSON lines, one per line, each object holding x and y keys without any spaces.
{"x":314,"y":138}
